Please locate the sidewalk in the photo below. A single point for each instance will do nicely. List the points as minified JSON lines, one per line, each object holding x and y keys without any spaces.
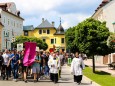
{"x":67,"y":79}
{"x":100,"y":67}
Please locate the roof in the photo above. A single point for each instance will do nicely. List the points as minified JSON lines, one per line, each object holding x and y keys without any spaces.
{"x":45,"y":24}
{"x":60,"y":30}
{"x":13,"y":14}
{"x":103,"y":3}
{"x":27,"y":28}
{"x":5,"y":6}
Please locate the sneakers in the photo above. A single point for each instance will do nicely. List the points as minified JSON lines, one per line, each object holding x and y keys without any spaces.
{"x":15,"y":80}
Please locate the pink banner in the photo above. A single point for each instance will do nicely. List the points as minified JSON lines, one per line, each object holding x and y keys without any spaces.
{"x":29,"y":55}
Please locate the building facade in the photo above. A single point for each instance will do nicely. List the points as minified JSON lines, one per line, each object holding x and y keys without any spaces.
{"x":105,"y":12}
{"x":55,"y":38}
{"x":12,"y":22}
{"x":1,"y":27}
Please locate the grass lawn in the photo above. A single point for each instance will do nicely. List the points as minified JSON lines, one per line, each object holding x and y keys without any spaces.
{"x":100,"y":77}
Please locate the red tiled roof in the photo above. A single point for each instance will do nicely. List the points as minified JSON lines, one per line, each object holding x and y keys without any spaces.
{"x":5,"y":6}
{"x":13,"y":14}
{"x":104,"y":2}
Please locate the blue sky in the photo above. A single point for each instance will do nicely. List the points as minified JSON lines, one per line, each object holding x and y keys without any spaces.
{"x":71,"y":11}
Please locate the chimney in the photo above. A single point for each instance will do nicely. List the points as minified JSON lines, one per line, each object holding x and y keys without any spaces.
{"x":53,"y":23}
{"x":18,"y":13}
{"x":42,"y":20}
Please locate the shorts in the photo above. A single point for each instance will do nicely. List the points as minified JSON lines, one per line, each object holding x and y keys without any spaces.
{"x":35,"y":69}
{"x":24,"y":69}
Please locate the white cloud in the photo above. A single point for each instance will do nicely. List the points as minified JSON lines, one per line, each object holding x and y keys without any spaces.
{"x":33,"y":10}
{"x":71,"y":20}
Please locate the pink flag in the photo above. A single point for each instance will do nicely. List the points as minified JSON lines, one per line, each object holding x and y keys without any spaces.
{"x":29,"y":55}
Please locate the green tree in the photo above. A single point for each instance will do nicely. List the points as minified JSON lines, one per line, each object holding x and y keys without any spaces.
{"x":91,"y":38}
{"x":22,"y":39}
{"x":69,"y":38}
{"x":111,"y":42}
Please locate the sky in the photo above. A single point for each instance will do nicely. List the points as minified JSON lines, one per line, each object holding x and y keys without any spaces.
{"x":71,"y":11}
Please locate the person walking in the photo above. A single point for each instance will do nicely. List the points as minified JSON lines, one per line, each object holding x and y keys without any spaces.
{"x":77,"y":66}
{"x":15,"y":61}
{"x":54,"y":65}
{"x":36,"y":66}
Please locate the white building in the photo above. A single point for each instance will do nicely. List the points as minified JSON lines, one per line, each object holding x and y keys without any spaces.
{"x":106,"y":12}
{"x":13,"y":23}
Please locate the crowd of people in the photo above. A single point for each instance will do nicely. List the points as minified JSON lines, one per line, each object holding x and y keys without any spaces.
{"x":46,"y":65}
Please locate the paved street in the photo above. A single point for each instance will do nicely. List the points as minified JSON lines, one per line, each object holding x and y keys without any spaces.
{"x":66,"y":80}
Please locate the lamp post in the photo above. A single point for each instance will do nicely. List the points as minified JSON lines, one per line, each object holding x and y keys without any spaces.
{"x":114,"y":26}
{"x":12,"y":43}
{"x":6,"y":43}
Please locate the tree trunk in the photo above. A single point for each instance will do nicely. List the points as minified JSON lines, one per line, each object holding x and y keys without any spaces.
{"x":93,"y":61}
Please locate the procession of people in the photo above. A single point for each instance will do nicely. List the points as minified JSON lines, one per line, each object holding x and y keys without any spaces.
{"x":48,"y":65}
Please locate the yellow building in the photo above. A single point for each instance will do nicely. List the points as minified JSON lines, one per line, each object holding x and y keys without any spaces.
{"x":48,"y":33}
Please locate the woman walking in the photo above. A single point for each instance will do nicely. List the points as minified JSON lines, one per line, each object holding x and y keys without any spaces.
{"x":77,"y":66}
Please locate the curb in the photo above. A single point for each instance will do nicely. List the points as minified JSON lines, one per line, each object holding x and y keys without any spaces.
{"x":90,"y":81}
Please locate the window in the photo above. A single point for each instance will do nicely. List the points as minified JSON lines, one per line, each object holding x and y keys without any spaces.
{"x":44,"y":40}
{"x":48,"y":31}
{"x":4,"y":33}
{"x":52,"y":41}
{"x":8,"y":34}
{"x":62,"y":40}
{"x":44,"y":31}
{"x":40,"y":31}
{"x":25,"y":33}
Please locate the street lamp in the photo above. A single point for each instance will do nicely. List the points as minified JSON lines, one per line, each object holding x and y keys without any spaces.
{"x":6,"y":42}
{"x":12,"y":43}
{"x":114,"y":26}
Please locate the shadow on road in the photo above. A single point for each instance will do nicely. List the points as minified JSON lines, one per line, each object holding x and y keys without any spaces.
{"x":65,"y":82}
{"x":85,"y":84}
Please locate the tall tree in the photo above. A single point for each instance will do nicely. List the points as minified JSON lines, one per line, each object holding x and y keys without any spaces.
{"x":22,"y":39}
{"x":69,"y":38}
{"x":91,"y":38}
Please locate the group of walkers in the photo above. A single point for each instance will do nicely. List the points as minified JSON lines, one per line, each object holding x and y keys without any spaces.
{"x":45,"y":65}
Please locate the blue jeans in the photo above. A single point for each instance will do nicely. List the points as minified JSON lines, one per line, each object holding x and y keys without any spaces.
{"x":46,"y":70}
{"x":15,"y":72}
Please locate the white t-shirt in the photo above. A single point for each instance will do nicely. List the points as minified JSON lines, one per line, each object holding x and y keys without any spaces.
{"x":6,"y":58}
